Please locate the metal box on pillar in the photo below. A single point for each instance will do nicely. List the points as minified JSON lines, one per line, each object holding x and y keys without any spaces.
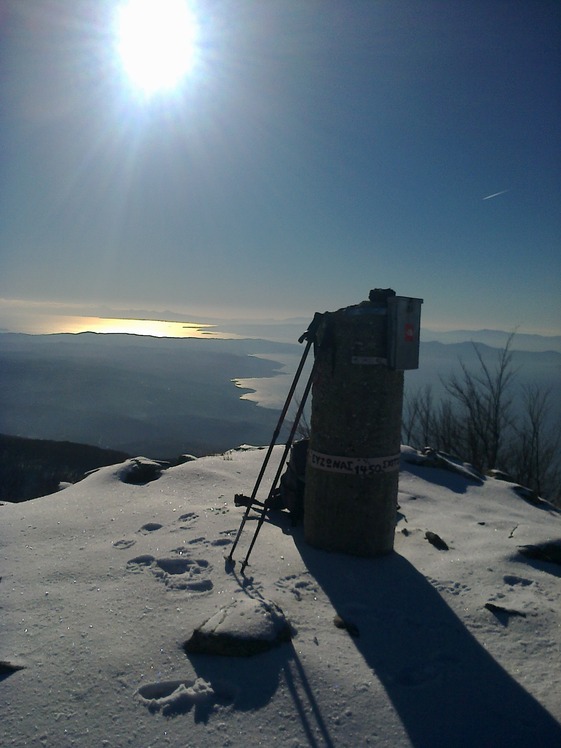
{"x":361,"y":351}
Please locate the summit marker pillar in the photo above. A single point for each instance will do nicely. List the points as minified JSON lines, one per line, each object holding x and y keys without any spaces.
{"x":361,"y":351}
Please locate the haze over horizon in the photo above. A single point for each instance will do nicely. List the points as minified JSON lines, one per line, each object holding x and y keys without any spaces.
{"x":36,"y":318}
{"x":307,"y":153}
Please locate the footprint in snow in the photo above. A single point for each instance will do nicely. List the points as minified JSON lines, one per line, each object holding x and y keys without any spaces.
{"x":204,"y":541}
{"x":513,"y":580}
{"x":226,"y":539}
{"x":139,"y":563}
{"x":175,"y":697}
{"x":150,"y":527}
{"x":450,"y":586}
{"x":198,"y":541}
{"x":176,"y":572}
{"x":123,"y":544}
{"x":184,"y":574}
{"x":186,"y":521}
{"x":219,"y":542}
{"x":300,"y":585}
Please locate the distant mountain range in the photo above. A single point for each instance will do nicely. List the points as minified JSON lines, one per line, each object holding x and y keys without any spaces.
{"x":290,"y":330}
{"x":496,"y":339}
{"x":163,"y":397}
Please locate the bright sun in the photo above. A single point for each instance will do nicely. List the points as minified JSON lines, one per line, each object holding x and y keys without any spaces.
{"x":156,"y":42}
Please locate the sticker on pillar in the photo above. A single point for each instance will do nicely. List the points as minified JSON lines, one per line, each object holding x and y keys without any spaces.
{"x":364,"y":352}
{"x":369,"y":360}
{"x":366,"y":466}
{"x":409,"y":333}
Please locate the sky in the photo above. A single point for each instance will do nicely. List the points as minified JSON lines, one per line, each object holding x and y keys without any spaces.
{"x":312,"y":151}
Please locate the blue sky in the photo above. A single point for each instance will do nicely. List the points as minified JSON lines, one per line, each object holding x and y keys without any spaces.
{"x":315,"y":151}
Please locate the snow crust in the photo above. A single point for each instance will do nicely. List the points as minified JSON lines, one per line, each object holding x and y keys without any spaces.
{"x":103,"y":582}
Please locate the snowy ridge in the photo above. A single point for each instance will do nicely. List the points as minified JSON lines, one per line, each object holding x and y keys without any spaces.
{"x":103,"y":583}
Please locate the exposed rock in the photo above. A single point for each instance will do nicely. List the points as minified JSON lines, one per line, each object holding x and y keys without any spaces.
{"x":500,"y":475}
{"x":528,"y":495}
{"x":501,"y":610}
{"x":7,"y":668}
{"x":550,"y":552}
{"x":436,"y":540}
{"x":449,"y":462}
{"x":141,"y":470}
{"x":429,"y":457}
{"x":343,"y":623}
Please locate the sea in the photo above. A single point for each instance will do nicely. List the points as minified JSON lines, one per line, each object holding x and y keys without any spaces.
{"x":33,"y":323}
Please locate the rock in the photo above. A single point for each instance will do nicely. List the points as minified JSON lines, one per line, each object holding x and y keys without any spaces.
{"x":528,"y":495}
{"x":141,"y":470}
{"x":7,"y":668}
{"x":499,"y":475}
{"x":430,"y":457}
{"x":501,"y":610}
{"x":245,"y":627}
{"x":343,"y":623}
{"x":550,"y":552}
{"x":436,"y":540}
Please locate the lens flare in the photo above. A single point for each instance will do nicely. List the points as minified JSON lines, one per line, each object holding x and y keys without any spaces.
{"x":156,"y":43}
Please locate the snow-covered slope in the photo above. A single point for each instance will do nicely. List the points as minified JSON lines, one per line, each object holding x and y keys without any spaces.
{"x":102,"y":584}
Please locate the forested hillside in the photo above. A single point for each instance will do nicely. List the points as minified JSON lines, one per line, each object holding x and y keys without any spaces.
{"x":35,"y":467}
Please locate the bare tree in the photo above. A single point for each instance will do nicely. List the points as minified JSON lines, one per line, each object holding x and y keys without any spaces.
{"x":447,"y":429}
{"x":484,"y":402}
{"x":418,"y":418}
{"x":535,"y":451}
{"x":409,"y":419}
{"x":426,"y":415}
{"x":428,"y":425}
{"x":477,"y":423}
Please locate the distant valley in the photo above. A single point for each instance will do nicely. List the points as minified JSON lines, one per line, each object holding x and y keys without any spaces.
{"x":153,"y":396}
{"x":162,"y":397}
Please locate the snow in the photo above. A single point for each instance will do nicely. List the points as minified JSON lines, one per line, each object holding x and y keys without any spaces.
{"x":104,"y":582}
{"x":246,"y":619}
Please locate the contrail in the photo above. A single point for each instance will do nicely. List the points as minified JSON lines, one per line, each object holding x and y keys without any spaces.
{"x":495,"y":194}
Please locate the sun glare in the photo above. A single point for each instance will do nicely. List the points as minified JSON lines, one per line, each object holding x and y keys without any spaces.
{"x":156,"y":43}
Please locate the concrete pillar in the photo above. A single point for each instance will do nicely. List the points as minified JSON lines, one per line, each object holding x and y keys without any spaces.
{"x":352,"y":473}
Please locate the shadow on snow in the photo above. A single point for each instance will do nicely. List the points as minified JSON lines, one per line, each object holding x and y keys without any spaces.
{"x":446,"y":688}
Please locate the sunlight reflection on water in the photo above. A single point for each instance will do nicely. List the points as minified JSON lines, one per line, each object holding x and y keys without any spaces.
{"x":268,"y":392}
{"x":48,"y":324}
{"x":271,"y":392}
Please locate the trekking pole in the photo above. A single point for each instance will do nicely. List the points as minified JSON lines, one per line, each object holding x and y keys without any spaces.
{"x":280,"y":467}
{"x":309,"y":336}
